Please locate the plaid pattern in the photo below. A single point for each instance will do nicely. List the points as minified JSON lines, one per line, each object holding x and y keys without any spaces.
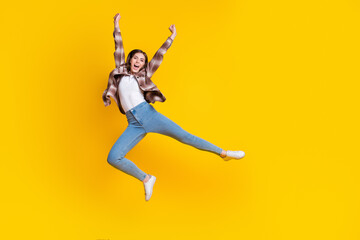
{"x":151,"y":92}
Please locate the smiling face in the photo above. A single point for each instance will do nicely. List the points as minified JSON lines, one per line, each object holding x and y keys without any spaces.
{"x":137,"y":62}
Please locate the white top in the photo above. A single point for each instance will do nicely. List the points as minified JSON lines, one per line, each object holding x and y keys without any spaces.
{"x":130,"y":93}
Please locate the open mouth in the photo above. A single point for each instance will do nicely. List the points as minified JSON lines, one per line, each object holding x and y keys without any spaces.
{"x":136,"y":67}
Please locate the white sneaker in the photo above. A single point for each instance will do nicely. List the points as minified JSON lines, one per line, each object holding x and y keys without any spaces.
{"x":149,"y":187}
{"x":234,"y":154}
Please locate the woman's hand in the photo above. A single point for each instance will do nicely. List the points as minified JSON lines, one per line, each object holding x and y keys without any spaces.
{"x":117,"y":18}
{"x":173,"y":30}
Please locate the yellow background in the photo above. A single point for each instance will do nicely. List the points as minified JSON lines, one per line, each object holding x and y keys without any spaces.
{"x":277,"y":79}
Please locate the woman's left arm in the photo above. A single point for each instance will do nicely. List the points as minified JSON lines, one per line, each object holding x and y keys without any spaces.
{"x":159,"y":55}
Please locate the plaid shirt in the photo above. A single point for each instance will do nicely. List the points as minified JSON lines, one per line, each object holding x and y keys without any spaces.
{"x":143,"y":77}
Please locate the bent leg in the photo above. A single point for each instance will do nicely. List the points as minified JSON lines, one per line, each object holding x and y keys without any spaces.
{"x":128,"y":139}
{"x":169,"y":128}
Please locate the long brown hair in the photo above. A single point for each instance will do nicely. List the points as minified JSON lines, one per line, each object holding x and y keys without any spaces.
{"x":131,"y":54}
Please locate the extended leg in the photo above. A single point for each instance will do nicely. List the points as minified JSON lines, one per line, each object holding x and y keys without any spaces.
{"x":169,"y":128}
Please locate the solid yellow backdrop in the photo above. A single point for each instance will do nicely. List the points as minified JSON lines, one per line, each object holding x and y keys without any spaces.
{"x":277,"y":79}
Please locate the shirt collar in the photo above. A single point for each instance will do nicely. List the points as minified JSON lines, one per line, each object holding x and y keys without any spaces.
{"x":140,"y":73}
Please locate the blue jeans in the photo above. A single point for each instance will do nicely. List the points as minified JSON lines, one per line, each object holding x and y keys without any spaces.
{"x":143,"y":119}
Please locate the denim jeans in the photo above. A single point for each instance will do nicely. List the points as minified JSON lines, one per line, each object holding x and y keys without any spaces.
{"x":143,"y":119}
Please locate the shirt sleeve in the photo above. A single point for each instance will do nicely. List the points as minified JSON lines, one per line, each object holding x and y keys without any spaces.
{"x":158,"y":57}
{"x":119,"y":53}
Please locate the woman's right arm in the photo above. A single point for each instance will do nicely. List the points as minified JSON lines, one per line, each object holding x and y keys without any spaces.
{"x":119,"y":53}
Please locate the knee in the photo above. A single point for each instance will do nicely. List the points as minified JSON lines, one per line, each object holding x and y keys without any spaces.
{"x":112,"y":159}
{"x":187,"y":138}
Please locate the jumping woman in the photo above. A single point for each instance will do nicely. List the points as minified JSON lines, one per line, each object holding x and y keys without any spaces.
{"x":132,"y":89}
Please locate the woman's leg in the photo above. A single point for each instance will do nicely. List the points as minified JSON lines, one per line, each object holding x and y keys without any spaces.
{"x":128,"y":139}
{"x":163,"y":125}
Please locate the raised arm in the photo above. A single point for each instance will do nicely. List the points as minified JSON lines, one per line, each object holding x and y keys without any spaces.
{"x":119,"y":53}
{"x":159,"y":55}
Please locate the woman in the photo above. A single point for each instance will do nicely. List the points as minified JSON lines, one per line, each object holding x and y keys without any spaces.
{"x":131,"y":87}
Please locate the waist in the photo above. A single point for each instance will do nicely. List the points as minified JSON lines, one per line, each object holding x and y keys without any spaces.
{"x":140,"y":105}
